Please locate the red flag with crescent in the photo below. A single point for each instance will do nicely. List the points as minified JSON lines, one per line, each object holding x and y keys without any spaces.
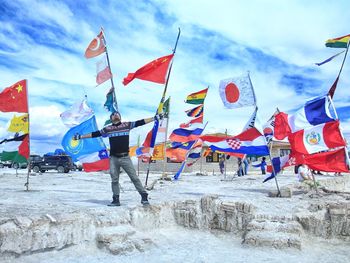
{"x":96,"y":46}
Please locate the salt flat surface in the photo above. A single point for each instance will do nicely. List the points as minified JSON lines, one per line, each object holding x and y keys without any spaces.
{"x":53,"y":193}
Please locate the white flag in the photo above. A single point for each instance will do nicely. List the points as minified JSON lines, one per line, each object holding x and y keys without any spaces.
{"x":77,"y":113}
{"x":237,"y":92}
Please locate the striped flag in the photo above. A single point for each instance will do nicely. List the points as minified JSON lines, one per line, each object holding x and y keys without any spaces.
{"x":339,"y":42}
{"x":197,"y":97}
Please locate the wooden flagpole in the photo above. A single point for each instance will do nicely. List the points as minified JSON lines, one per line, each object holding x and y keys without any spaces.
{"x":160,"y":107}
{"x":109,"y":66}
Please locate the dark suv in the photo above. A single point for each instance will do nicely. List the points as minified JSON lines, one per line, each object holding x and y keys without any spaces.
{"x":61,"y":163}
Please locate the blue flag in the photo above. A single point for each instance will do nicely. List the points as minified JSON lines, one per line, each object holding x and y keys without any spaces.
{"x":78,"y":149}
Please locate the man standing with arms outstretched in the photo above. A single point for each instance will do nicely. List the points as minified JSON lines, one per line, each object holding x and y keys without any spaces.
{"x":118,"y":135}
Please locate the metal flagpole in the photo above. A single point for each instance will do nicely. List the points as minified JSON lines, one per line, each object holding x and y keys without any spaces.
{"x":28,"y":160}
{"x":164,"y":175}
{"x":160,"y":107}
{"x":273,"y":169}
{"x":109,"y":65}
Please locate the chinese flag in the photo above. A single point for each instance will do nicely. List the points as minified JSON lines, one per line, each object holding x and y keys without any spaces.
{"x":96,"y":47}
{"x":154,"y":71}
{"x":14,"y":98}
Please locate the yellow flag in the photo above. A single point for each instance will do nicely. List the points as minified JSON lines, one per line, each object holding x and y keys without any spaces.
{"x":19,"y":124}
{"x":158,"y":152}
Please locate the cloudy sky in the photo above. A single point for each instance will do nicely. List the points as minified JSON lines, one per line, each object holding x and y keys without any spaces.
{"x":277,"y":41}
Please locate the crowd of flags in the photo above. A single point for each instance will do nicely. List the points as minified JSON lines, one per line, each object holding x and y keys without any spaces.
{"x":313,"y":131}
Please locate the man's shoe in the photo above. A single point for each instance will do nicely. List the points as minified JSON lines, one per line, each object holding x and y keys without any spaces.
{"x":144,"y":199}
{"x":115,"y":201}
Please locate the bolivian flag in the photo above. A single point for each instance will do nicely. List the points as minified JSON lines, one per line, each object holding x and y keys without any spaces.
{"x":197,"y":97}
{"x":339,"y":42}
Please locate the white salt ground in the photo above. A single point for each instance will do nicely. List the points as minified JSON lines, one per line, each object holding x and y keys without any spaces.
{"x":53,"y":193}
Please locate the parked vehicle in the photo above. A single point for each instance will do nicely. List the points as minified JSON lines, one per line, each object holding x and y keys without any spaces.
{"x":78,"y":166}
{"x":61,"y":163}
{"x":19,"y":165}
{"x":5,"y":164}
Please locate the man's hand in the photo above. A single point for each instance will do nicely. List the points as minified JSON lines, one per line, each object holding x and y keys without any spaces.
{"x":76,"y":137}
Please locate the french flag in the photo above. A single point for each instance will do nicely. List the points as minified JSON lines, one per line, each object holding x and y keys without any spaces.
{"x":314,"y":112}
{"x":316,"y":139}
{"x":251,"y":141}
{"x":191,"y":133}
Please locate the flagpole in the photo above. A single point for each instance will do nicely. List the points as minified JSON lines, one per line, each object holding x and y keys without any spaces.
{"x":346,"y":53}
{"x":138,"y":159}
{"x":160,"y":107}
{"x":164,"y":175}
{"x":224,"y":159}
{"x":109,"y":66}
{"x":28,"y":160}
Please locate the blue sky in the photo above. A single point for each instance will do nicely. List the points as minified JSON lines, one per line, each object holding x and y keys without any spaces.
{"x":278,"y":42}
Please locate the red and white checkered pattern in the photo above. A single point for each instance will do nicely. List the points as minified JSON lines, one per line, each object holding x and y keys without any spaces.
{"x":234,"y":143}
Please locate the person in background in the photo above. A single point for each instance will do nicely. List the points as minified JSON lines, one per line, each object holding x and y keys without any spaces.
{"x":240,"y":171}
{"x":118,"y":135}
{"x":222,"y":163}
{"x":263,"y":165}
{"x":245,"y":164}
{"x":304,"y":173}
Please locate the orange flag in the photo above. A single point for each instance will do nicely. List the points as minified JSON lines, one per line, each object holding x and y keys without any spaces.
{"x":154,"y":71}
{"x":96,"y":46}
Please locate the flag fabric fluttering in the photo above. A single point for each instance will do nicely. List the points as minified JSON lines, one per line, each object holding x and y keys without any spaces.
{"x":237,"y":92}
{"x":19,"y":124}
{"x":195,"y":112}
{"x":187,"y":134}
{"x":278,"y":164}
{"x":14,"y":98}
{"x":92,"y":152}
{"x":182,"y":167}
{"x":155,"y":71}
{"x":333,"y":87}
{"x":251,"y":121}
{"x":314,"y":112}
{"x":196,"y":120}
{"x":15,"y":148}
{"x":269,"y":126}
{"x":330,"y":161}
{"x":103,"y":72}
{"x":194,"y":154}
{"x":111,"y":102}
{"x":250,"y":141}
{"x":76,"y":114}
{"x":317,"y":138}
{"x":197,"y":97}
{"x":329,"y":59}
{"x":339,"y":42}
{"x":96,"y":47}
{"x":177,"y":151}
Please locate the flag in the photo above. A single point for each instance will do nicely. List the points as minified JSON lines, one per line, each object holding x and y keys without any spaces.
{"x":19,"y":124}
{"x":195,"y":112}
{"x":14,"y":98}
{"x":132,"y":150}
{"x":250,"y":141}
{"x":251,"y":121}
{"x":314,"y":112}
{"x":96,"y":46}
{"x":196,"y":120}
{"x":334,"y":86}
{"x":237,"y":92}
{"x":155,"y":71}
{"x":182,"y":167}
{"x":197,"y":97}
{"x":103,"y":72}
{"x":111,"y":102}
{"x":177,"y":151}
{"x":269,"y":126}
{"x":91,"y":152}
{"x":329,"y":59}
{"x":317,"y":138}
{"x":157,"y":152}
{"x":194,"y":154}
{"x":15,"y":149}
{"x":76,"y":114}
{"x":278,"y":164}
{"x":186,"y":134}
{"x":330,"y":161}
{"x":339,"y":42}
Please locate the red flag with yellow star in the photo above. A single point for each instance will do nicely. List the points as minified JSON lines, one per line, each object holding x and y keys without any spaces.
{"x":14,"y":98}
{"x":154,"y":71}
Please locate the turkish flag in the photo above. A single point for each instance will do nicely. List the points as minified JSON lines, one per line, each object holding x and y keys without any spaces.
{"x":96,"y":46}
{"x":14,"y":98}
{"x":154,"y":71}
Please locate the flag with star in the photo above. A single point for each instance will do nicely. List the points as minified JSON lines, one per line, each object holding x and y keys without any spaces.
{"x":14,"y":98}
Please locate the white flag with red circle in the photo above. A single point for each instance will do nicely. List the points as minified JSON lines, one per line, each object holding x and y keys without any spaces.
{"x":237,"y":92}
